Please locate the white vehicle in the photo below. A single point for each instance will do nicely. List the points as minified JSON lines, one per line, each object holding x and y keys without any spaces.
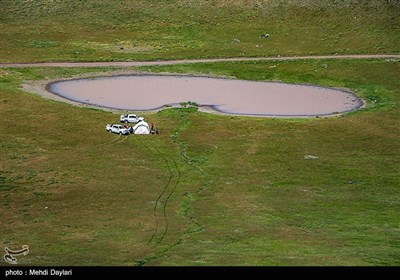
{"x":117,"y":128}
{"x":131,"y":118}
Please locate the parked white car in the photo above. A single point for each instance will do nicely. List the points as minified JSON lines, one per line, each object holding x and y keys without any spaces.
{"x":117,"y":128}
{"x":131,"y":118}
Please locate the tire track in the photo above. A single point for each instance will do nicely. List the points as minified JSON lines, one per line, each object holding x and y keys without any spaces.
{"x":206,"y":181}
{"x":109,"y":142}
{"x":123,"y":139}
{"x":156,"y":204}
{"x":155,"y":150}
{"x":171,"y":166}
{"x":166,"y":202}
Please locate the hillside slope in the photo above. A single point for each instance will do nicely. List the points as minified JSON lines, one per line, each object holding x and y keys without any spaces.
{"x":99,"y":30}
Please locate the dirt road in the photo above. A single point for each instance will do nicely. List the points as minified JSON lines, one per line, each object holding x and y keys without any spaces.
{"x":171,"y":62}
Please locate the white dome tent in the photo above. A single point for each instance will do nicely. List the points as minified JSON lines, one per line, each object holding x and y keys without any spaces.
{"x":141,"y":127}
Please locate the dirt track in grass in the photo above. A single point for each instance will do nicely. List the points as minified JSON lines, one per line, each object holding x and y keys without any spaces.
{"x":171,"y":62}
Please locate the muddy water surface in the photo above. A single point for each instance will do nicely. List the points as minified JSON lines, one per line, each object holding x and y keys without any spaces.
{"x":149,"y":92}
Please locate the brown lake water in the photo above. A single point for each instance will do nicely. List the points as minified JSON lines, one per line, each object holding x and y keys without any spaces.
{"x":152,"y":92}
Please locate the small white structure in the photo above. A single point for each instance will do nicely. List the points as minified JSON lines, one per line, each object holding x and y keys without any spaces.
{"x":141,"y":127}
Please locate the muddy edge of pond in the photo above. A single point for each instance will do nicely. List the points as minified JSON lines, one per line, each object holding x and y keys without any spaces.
{"x":42,"y":88}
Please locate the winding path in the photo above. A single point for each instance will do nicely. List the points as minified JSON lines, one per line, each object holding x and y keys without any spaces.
{"x":172,"y":62}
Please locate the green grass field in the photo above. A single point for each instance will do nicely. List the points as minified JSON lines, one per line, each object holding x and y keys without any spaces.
{"x":98,"y":30}
{"x":209,"y":190}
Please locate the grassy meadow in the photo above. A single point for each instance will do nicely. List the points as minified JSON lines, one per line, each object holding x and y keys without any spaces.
{"x":97,"y":30}
{"x":209,"y":190}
